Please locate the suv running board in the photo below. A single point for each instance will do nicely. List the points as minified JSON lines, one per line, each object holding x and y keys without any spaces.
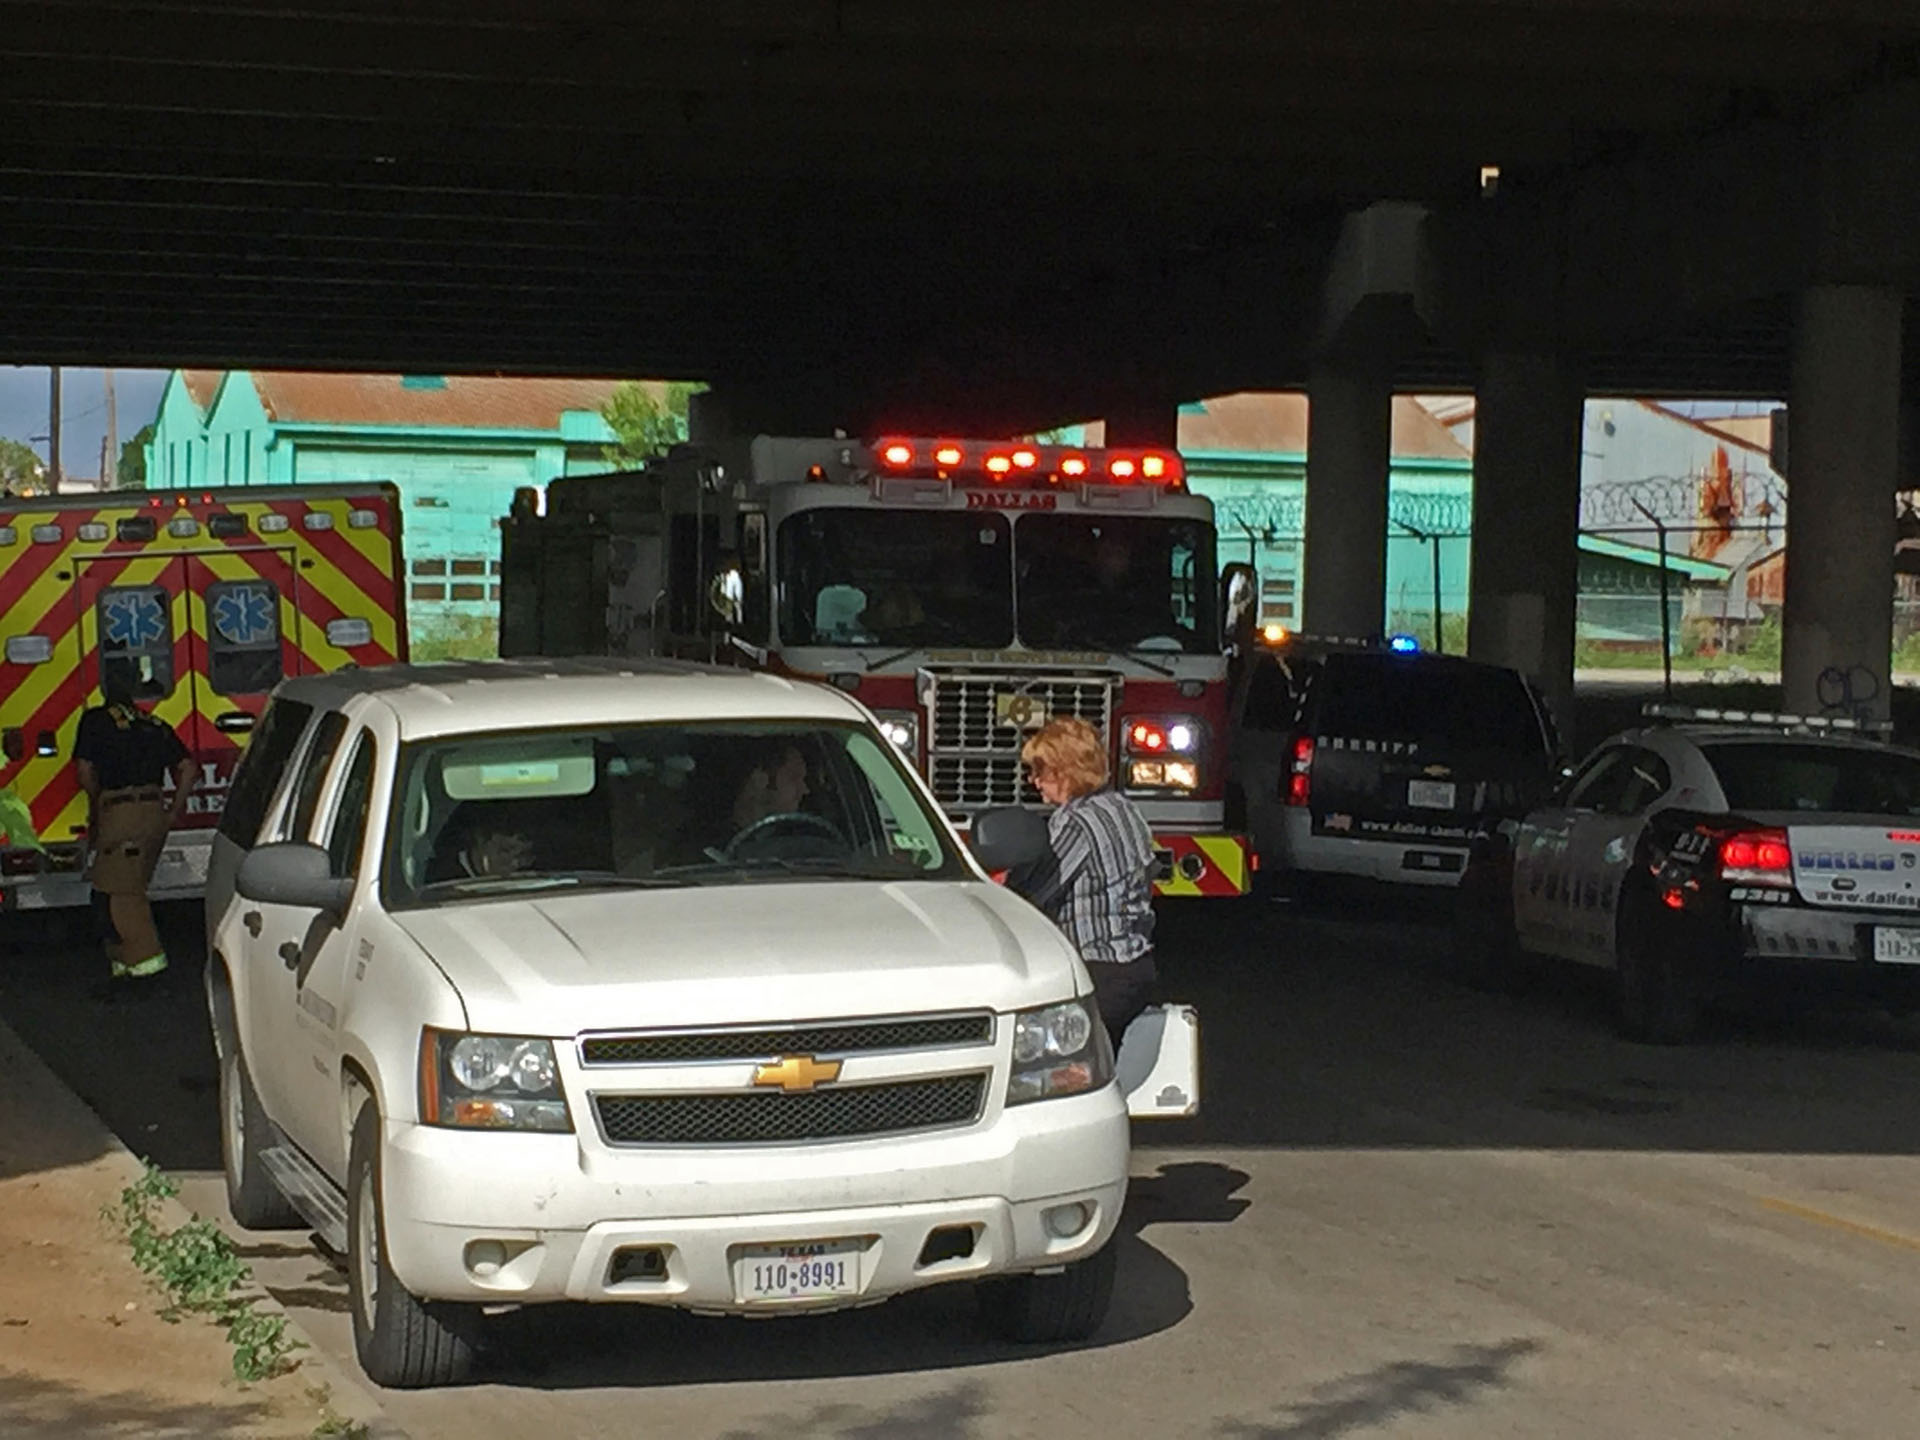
{"x":321,"y":1203}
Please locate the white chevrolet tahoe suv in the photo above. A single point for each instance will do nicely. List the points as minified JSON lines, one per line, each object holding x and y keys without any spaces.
{"x":539,"y":981}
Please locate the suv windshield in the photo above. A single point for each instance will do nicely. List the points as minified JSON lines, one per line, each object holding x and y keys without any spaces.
{"x":1837,"y":779}
{"x":1120,"y":582}
{"x":665,"y":804}
{"x":1447,"y":703}
{"x":896,"y":577}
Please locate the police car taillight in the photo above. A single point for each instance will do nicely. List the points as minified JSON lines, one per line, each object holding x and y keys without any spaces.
{"x":1300,"y":782}
{"x":1757,"y":857}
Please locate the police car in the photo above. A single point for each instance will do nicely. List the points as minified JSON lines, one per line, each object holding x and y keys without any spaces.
{"x":1707,"y":851}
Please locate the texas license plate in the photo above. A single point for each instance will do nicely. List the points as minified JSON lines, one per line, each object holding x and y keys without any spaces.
{"x":1896,"y":946}
{"x":1430,"y":794}
{"x":816,"y":1270}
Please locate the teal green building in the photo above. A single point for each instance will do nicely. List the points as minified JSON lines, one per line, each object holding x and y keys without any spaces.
{"x":457,"y":447}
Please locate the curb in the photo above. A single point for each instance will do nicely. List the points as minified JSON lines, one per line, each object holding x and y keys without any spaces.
{"x":348,"y":1395}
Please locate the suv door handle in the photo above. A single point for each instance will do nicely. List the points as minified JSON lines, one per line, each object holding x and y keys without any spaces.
{"x":290,"y":952}
{"x":252,"y":921}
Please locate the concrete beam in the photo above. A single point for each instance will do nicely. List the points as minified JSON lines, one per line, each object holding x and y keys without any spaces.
{"x":1349,"y":453}
{"x":1844,"y":460}
{"x":1526,"y":519}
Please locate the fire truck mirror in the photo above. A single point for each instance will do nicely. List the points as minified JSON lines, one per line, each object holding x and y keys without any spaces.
{"x":753,"y":543}
{"x":727,"y":593}
{"x":1240,"y":602}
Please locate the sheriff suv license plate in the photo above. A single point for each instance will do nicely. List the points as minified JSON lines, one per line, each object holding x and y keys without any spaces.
{"x":1430,"y":794}
{"x":1896,"y":946}
{"x":817,"y":1270}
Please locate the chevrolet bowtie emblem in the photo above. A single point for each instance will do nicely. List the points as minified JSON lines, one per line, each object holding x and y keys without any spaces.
{"x":797,"y":1072}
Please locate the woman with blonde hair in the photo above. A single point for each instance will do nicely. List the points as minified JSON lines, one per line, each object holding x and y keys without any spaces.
{"x":1095,"y":882}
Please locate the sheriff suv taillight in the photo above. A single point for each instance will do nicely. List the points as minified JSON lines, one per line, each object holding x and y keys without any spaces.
{"x":1300,"y":782}
{"x":1757,"y":857}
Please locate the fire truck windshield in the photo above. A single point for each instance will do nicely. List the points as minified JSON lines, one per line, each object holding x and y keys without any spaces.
{"x":892,"y":577}
{"x":1119,"y":582}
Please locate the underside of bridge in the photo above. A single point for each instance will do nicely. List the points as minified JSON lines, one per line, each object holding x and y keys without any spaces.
{"x":1008,"y":212}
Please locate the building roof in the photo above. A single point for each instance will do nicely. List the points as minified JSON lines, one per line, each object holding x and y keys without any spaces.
{"x":202,"y":386}
{"x":1254,"y":422}
{"x":451,"y":401}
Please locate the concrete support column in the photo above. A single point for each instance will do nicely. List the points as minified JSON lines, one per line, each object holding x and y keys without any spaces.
{"x":1526,"y":520}
{"x":1141,"y":425}
{"x":1349,"y":454}
{"x":1843,"y":457}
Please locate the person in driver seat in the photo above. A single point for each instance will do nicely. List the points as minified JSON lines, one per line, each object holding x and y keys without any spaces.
{"x":777,"y":785}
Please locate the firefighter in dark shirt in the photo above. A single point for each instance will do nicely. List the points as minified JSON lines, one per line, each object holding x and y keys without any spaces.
{"x":123,"y":756}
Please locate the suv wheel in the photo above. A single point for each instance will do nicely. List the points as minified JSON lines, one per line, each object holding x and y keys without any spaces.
{"x":256,"y":1202}
{"x":402,"y":1342}
{"x":1052,"y":1309}
{"x":1657,"y":1003}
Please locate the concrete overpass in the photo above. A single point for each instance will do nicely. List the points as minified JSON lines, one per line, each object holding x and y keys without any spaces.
{"x":999,"y":215}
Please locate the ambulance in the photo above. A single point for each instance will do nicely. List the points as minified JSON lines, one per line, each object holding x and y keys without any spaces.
{"x":966,"y":591}
{"x":201,"y":601}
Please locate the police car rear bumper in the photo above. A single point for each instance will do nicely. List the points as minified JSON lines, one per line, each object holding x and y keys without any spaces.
{"x":181,"y":875}
{"x":1830,"y":949}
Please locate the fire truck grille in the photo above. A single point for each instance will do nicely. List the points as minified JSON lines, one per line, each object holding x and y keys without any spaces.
{"x":981,"y":721}
{"x":771,"y":1118}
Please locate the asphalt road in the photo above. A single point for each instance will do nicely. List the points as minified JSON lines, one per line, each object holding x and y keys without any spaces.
{"x":1407,"y":1210}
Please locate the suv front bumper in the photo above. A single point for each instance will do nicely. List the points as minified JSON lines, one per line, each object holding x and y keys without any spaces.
{"x":504,"y":1219}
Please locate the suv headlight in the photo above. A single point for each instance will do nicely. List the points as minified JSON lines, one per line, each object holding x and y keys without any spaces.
{"x":1059,"y":1050}
{"x":902,"y":727}
{"x":490,"y":1082}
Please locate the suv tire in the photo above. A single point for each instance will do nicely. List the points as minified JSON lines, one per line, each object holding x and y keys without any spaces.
{"x":402,"y":1341}
{"x":253,"y":1198}
{"x":1052,"y":1309}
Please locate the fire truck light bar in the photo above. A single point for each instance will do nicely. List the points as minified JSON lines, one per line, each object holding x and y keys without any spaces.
{"x":992,"y":462}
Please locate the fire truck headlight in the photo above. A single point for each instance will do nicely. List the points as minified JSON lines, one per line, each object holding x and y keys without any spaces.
{"x":1163,"y":775}
{"x":902,"y":727}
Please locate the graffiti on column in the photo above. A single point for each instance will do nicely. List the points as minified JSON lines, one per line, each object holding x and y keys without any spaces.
{"x":1848,"y":692}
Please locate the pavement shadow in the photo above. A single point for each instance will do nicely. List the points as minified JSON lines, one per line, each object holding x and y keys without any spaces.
{"x":1376,"y":1397}
{"x":140,"y":1056}
{"x":957,"y":1413}
{"x":1343,"y":1028}
{"x":32,"y":1408}
{"x":566,"y":1347}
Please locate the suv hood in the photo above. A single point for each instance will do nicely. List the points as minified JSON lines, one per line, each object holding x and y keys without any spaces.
{"x":557,"y":965}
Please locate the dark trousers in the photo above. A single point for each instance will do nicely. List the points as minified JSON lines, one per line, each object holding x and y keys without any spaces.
{"x":1122,"y":991}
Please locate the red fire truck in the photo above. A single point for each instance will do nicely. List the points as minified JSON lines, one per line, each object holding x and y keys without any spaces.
{"x":200,"y":601}
{"x":966,"y":591}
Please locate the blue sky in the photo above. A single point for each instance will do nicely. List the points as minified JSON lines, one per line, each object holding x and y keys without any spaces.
{"x":24,"y":391}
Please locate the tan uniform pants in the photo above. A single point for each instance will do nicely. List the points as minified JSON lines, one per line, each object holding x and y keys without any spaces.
{"x":132,"y":831}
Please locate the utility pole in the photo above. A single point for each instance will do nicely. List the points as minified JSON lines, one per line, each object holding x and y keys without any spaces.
{"x":110,"y":467}
{"x":53,"y":433}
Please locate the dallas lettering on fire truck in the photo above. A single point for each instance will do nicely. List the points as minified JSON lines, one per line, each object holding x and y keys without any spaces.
{"x":202,"y":601}
{"x":966,"y":591}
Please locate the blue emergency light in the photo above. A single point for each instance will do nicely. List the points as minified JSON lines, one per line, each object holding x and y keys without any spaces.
{"x":1404,"y":645}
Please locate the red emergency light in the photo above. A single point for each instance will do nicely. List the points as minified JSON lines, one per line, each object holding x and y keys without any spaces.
{"x":991,"y":462}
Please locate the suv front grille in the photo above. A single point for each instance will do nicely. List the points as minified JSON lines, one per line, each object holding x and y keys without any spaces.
{"x":773,"y":1118}
{"x":973,"y":743}
{"x":933,"y":1032}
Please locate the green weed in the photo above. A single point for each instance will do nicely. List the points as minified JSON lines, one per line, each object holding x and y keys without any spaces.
{"x":196,"y":1266}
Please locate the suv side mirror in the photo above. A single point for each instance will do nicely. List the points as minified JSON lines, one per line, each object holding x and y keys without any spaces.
{"x":294,"y":873}
{"x":1008,"y":838}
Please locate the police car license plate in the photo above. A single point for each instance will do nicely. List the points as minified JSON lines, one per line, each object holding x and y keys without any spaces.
{"x":1430,"y":794}
{"x":1896,"y":947}
{"x":816,"y":1270}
